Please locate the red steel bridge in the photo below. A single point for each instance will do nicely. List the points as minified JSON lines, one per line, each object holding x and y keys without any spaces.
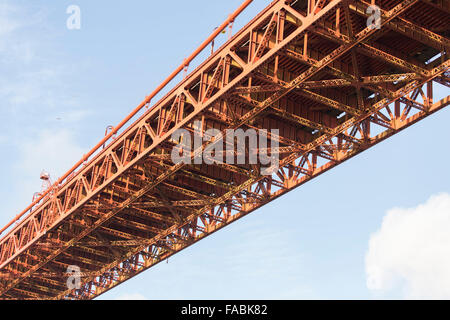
{"x":332,"y":85}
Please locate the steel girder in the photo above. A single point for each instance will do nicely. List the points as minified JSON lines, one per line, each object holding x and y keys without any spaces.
{"x":311,"y":69}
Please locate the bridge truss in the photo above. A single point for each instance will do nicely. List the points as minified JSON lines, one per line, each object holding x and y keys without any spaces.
{"x":332,"y":86}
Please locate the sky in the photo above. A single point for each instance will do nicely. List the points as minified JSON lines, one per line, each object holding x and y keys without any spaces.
{"x":375,"y":227}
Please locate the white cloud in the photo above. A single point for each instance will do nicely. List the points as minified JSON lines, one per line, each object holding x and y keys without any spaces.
{"x":132,"y":296}
{"x":54,"y":151}
{"x":71,"y":116}
{"x":7,"y":23}
{"x":33,"y":77}
{"x":31,"y":86}
{"x":411,"y":251}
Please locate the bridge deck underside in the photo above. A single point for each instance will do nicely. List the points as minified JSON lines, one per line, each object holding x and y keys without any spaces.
{"x":330,"y":85}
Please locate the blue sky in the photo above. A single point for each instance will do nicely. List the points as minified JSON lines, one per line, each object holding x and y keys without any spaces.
{"x":60,"y":88}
